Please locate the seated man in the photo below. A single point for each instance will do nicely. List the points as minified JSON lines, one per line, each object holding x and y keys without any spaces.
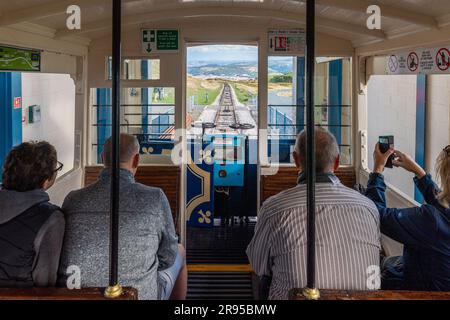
{"x":150,"y":259}
{"x":347,"y":229}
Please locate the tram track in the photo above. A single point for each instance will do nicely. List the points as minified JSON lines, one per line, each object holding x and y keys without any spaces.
{"x":226,"y":116}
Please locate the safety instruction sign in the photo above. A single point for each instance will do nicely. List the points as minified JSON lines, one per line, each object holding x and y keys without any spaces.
{"x":420,"y":61}
{"x":287,"y":42}
{"x":16,"y":59}
{"x":157,"y":41}
{"x":17,"y":103}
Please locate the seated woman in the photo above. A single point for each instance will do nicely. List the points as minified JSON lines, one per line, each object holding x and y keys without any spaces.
{"x":424,"y":231}
{"x":31,"y":228}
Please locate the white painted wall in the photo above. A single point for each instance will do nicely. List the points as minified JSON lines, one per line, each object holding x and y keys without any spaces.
{"x":55,"y":93}
{"x":438,"y":118}
{"x":391,"y":105}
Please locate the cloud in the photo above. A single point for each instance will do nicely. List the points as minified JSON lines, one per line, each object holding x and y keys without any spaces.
{"x":223,"y":52}
{"x":222,"y":48}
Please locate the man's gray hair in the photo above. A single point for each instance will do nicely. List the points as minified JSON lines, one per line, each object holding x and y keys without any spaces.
{"x":129,"y":147}
{"x":327,"y":149}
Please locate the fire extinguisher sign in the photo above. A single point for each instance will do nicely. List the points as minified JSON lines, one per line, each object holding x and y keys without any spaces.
{"x":286,"y":42}
{"x":17,"y":103}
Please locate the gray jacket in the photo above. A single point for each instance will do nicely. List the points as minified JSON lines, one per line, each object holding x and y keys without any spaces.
{"x":48,"y":241}
{"x":147,"y":238}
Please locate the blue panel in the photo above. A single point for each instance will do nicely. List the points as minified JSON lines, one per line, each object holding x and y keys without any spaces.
{"x":229,"y":173}
{"x":16,"y":92}
{"x":250,"y":189}
{"x":10,"y":117}
{"x":161,"y":123}
{"x":335,"y":98}
{"x":154,"y":146}
{"x":284,"y":147}
{"x":103,"y":119}
{"x":420,"y":126}
{"x":144,"y":97}
{"x":145,"y":109}
{"x":300,"y":119}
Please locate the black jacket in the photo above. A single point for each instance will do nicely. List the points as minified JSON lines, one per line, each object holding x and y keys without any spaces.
{"x":31,"y":234}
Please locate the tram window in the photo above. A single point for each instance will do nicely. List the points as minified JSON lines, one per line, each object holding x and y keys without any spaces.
{"x":48,"y":113}
{"x":286,"y":103}
{"x":438,"y":118}
{"x":392,"y":111}
{"x":222,"y":89}
{"x":137,"y":69}
{"x":148,"y":113}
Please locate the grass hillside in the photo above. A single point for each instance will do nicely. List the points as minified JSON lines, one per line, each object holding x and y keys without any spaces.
{"x":204,"y":91}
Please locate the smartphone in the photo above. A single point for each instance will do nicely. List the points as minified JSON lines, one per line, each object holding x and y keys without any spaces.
{"x":386,"y":143}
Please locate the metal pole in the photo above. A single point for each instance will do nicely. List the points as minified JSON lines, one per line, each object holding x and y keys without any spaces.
{"x":310,"y":292}
{"x":114,"y":290}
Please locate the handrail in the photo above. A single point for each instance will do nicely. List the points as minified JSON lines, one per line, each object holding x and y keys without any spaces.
{"x":115,"y":290}
{"x":310,"y":291}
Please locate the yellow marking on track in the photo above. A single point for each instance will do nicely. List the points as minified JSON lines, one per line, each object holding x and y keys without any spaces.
{"x":219,"y":267}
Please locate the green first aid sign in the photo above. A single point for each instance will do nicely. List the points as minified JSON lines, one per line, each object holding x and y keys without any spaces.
{"x":158,"y":40}
{"x":16,"y":59}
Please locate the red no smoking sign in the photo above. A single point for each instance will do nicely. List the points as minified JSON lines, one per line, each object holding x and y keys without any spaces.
{"x":443,"y":59}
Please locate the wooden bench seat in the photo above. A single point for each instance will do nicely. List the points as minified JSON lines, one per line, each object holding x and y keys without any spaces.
{"x":165,"y":177}
{"x":62,"y":294}
{"x":296,"y":294}
{"x":286,"y":178}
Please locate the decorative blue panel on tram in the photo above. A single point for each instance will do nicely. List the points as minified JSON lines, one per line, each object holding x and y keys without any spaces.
{"x":200,"y":185}
{"x":229,"y":160}
{"x":155,"y":147}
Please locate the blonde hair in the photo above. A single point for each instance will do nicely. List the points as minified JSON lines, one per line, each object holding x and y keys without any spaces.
{"x":443,"y":172}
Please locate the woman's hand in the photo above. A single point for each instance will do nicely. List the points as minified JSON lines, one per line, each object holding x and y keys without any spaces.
{"x":406,"y":162}
{"x":380,"y":159}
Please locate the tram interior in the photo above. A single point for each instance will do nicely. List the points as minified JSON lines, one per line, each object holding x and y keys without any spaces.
{"x":237,"y":114}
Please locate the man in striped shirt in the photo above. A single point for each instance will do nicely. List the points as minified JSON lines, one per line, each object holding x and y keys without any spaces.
{"x":347,"y":230}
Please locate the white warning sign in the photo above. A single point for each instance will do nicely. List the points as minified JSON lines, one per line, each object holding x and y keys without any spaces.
{"x":420,"y":61}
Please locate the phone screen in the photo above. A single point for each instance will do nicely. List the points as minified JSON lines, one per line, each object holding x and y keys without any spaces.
{"x":386,"y":143}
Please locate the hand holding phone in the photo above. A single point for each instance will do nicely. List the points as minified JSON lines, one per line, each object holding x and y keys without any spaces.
{"x":386,"y":143}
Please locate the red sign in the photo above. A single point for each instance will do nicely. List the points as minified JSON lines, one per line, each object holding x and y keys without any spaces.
{"x":280,"y":43}
{"x":443,"y":59}
{"x":17,"y":103}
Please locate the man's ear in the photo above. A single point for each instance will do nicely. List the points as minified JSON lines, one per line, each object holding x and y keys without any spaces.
{"x":337,"y":162}
{"x":136,"y":160}
{"x":49,"y":182}
{"x":297,"y":160}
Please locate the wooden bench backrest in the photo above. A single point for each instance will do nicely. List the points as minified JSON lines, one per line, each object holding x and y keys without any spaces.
{"x":296,"y":294}
{"x":62,"y":294}
{"x":287,"y":178}
{"x":165,"y":177}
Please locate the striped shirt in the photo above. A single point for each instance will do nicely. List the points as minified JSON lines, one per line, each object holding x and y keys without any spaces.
{"x":347,"y":239}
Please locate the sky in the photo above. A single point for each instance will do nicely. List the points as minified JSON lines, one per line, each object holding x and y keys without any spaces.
{"x":223,"y":53}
